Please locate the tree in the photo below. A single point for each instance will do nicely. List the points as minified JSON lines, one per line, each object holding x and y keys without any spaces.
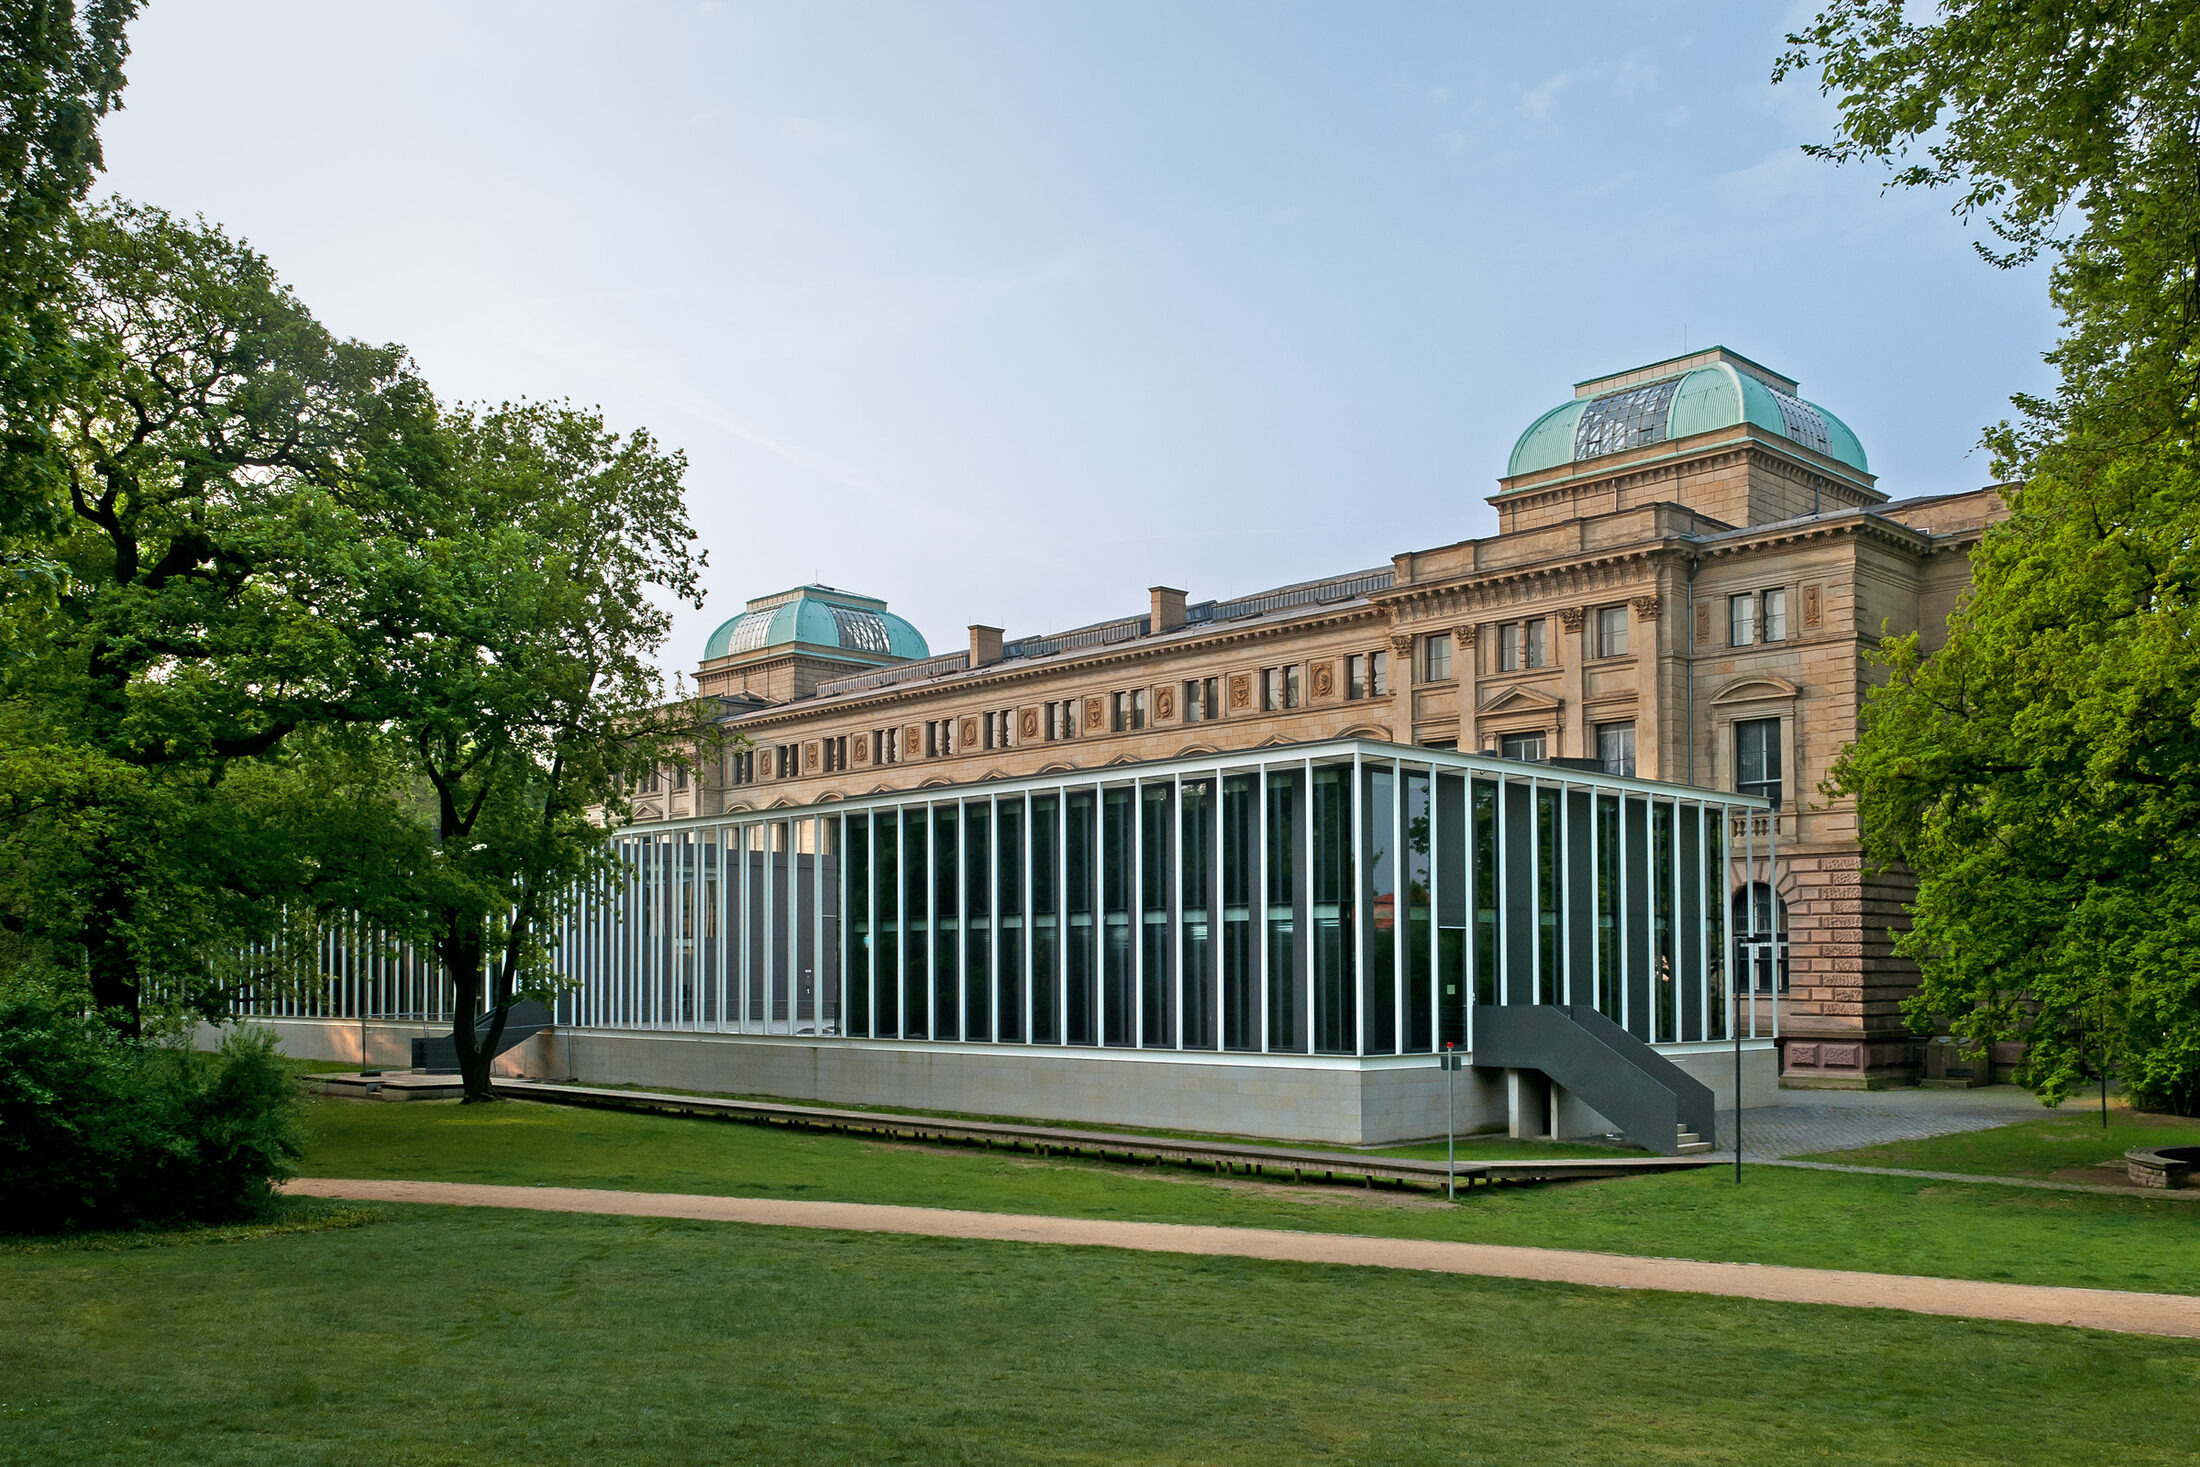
{"x":2040,"y":774}
{"x":238,"y":483}
{"x":530,"y":701}
{"x":60,"y":73}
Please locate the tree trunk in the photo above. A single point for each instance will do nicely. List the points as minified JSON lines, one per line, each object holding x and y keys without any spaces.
{"x":462,"y":956}
{"x":114,"y":975}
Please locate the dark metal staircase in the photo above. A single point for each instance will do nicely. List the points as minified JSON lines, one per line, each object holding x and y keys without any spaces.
{"x":1654,"y":1102}
{"x":438,"y":1055}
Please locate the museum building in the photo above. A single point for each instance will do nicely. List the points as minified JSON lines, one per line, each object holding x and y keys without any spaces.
{"x":1690,"y":566}
{"x":1548,"y":799}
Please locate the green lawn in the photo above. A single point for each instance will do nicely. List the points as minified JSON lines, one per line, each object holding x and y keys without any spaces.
{"x":1778,"y":1215}
{"x":484,"y":1337}
{"x":2073,"y":1139}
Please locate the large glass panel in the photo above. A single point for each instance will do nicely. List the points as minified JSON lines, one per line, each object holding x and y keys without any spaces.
{"x":1379,"y":815}
{"x":830,"y":1005}
{"x":1452,"y":935}
{"x":1661,"y":919}
{"x":1577,"y":880}
{"x":916,"y":926}
{"x":805,"y":926}
{"x":977,"y":919}
{"x":1485,"y":891}
{"x":1635,"y":883}
{"x":855,"y":862}
{"x":1116,"y":860}
{"x":1080,"y":830}
{"x":1688,"y":924}
{"x":1286,"y":902}
{"x":1012,"y":919}
{"x":1196,"y":860}
{"x":1335,"y":1012}
{"x":783,"y":912}
{"x":1046,"y":919}
{"x":947,"y":926}
{"x":1550,"y":967}
{"x":886,"y":882}
{"x":1607,"y":906}
{"x":1156,"y":952}
{"x":1420,"y":1001}
{"x":759,"y":954}
{"x":1240,"y":994}
{"x":1517,"y":852}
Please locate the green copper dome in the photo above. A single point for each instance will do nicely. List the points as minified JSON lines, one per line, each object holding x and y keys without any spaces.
{"x":819,"y":617}
{"x":1703,"y":399}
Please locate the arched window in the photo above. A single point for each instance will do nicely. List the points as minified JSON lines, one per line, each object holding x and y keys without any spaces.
{"x":1760,"y":938}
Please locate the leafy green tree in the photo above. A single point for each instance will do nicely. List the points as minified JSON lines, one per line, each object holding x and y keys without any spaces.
{"x":530,"y":701}
{"x":2040,"y":774}
{"x":60,"y":73}
{"x":238,"y":483}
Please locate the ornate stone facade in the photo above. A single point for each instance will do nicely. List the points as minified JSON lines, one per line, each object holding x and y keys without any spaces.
{"x":1697,"y":603}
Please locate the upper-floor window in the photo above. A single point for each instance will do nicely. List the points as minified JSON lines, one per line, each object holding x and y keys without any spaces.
{"x":1279,"y":689}
{"x":1757,"y":758}
{"x":789,"y":760}
{"x":1436,"y":657}
{"x":1521,"y":644}
{"x":1202,"y":699}
{"x":1527,"y":746}
{"x":1773,"y":615}
{"x":886,"y":746}
{"x":939,"y":737}
{"x":1378,"y":675}
{"x":679,"y":776}
{"x":1355,"y":675}
{"x":1611,"y":631}
{"x":741,"y":767}
{"x":1616,"y":748}
{"x":1062,"y":719}
{"x":1127,"y":711}
{"x":1741,"y":619}
{"x":996,"y":729}
{"x":836,"y":754}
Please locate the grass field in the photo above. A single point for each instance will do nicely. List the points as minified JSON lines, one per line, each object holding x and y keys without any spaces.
{"x":1816,"y":1219}
{"x":483,"y":1337}
{"x":2072,"y":1141}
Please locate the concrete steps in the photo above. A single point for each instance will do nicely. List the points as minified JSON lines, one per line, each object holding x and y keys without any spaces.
{"x":1691,"y":1144}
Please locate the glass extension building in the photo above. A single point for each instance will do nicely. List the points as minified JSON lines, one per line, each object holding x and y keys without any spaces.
{"x":1342,"y":899}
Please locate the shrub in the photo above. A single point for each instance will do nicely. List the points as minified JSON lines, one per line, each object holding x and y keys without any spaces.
{"x":98,"y":1131}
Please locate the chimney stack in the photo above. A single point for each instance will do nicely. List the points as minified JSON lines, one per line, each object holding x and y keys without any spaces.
{"x":1168,"y":609}
{"x":985,"y":645}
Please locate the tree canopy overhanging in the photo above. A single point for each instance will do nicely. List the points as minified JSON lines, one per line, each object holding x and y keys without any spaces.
{"x":2040,"y":773}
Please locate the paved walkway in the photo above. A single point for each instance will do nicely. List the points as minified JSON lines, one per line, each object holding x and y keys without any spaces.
{"x":2104,"y":1309}
{"x":1841,"y":1120}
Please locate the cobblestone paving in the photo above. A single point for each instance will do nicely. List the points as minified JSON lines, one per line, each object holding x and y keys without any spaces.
{"x":1873,"y":1118}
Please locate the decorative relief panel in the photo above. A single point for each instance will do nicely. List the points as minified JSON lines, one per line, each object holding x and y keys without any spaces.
{"x":967,"y":735}
{"x":809,"y":757}
{"x":1027,"y":726}
{"x":1703,"y":623}
{"x":1164,"y":704}
{"x":912,"y":739}
{"x":1096,"y":712}
{"x":1324,"y":679}
{"x":859,"y":748}
{"x":1241,"y":691}
{"x":1814,"y":608}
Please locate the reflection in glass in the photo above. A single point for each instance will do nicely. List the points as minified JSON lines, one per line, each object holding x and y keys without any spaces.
{"x":1335,"y":1014}
{"x":1197,"y":853}
{"x":1240,"y":1000}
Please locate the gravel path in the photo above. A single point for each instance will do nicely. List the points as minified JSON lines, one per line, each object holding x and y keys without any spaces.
{"x":1837,"y":1120}
{"x":2104,"y":1309}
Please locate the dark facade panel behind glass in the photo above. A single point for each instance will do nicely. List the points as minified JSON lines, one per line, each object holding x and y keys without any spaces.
{"x":886,"y":945}
{"x":1046,"y":919}
{"x":1080,"y":835}
{"x":1379,"y":893}
{"x":1197,"y":847}
{"x":946,"y":924}
{"x":1414,"y":899}
{"x":1013,"y":919}
{"x":1118,"y":807}
{"x":1453,"y":930}
{"x":977,"y":920}
{"x":916,"y":926}
{"x":1286,"y":911}
{"x":1336,"y":1011}
{"x":1157,"y":950}
{"x":1240,"y":994}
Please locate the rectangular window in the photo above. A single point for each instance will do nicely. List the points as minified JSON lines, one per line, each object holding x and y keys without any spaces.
{"x":1741,"y":619}
{"x":1538,"y":653}
{"x":1379,"y":675}
{"x":1138,"y":708}
{"x":1757,"y":758}
{"x":1616,"y":748}
{"x":886,"y":746}
{"x":1062,"y":719}
{"x":1119,"y":712}
{"x":1611,"y":631}
{"x":1271,"y":689}
{"x":1528,"y":746}
{"x":1437,"y":657}
{"x":1355,"y":676}
{"x":1775,"y":621}
{"x":1202,"y":699}
{"x":1508,"y":647}
{"x":1291,"y":687}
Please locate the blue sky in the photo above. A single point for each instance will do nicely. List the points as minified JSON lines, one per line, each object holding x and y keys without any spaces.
{"x":1007,"y":311}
